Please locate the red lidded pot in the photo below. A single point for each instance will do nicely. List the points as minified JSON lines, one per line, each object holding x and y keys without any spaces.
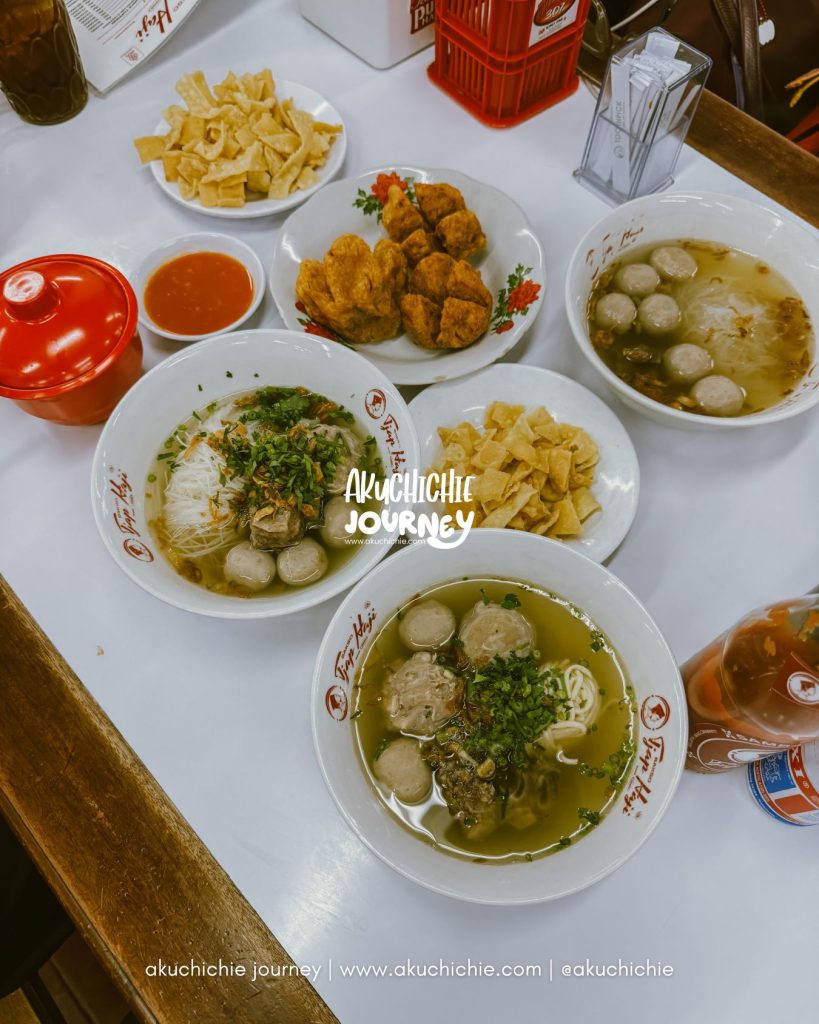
{"x":69,"y":346}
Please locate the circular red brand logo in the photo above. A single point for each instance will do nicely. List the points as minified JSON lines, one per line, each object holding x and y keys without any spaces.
{"x":375,"y":402}
{"x":550,"y":10}
{"x":136,"y":549}
{"x":335,"y":700}
{"x":803,"y":687}
{"x":655,"y":712}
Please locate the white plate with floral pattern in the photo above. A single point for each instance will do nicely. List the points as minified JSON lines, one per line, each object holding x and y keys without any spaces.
{"x":512,"y":267}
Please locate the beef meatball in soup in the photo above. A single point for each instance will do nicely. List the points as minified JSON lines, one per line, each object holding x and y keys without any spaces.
{"x":490,"y":630}
{"x":427,"y":625}
{"x":422,"y":695}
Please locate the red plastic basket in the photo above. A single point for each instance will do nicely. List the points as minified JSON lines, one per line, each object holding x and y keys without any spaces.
{"x":485,"y":56}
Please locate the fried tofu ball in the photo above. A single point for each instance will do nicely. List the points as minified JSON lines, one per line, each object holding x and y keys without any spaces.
{"x":344,"y":258}
{"x":461,"y":234}
{"x":462,"y":323}
{"x":438,"y":201}
{"x":418,"y":246}
{"x":392,"y":263}
{"x":673,"y":263}
{"x":427,"y":625}
{"x":355,"y":292}
{"x":304,"y":563}
{"x":431,"y":275}
{"x":254,"y":570}
{"x":402,"y":769}
{"x":464,"y":282}
{"x":615,"y":312}
{"x":637,"y":280}
{"x":422,"y":320}
{"x":489,"y":630}
{"x":399,"y":217}
{"x":421,"y":695}
{"x":659,"y":314}
{"x":718,"y":396}
{"x":685,"y":364}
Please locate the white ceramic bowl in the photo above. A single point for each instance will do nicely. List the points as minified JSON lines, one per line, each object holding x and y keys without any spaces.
{"x":645,"y":654}
{"x":201,"y":241}
{"x":304,"y":98}
{"x":309,"y":232}
{"x":617,"y":476}
{"x":783,"y":244}
{"x":169,"y":393}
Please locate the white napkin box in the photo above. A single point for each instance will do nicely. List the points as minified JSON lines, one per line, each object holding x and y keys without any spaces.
{"x":381,"y":32}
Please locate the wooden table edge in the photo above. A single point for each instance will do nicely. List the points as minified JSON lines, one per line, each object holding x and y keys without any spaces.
{"x":136,"y":880}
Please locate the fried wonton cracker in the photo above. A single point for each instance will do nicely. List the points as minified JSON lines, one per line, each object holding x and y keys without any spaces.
{"x":528,"y":471}
{"x":238,"y":127}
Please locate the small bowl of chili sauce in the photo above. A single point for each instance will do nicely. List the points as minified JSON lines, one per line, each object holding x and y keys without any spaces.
{"x":198,"y":285}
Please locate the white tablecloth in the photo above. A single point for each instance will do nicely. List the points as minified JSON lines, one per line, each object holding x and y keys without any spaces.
{"x":218,"y":711}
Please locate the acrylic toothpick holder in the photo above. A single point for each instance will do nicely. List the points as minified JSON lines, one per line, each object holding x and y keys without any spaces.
{"x":648,"y":97}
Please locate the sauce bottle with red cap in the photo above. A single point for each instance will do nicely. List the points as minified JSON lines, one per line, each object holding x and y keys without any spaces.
{"x":69,"y":346}
{"x":755,"y":690}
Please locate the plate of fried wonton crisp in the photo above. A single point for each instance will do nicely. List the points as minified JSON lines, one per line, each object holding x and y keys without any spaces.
{"x":544,"y":455}
{"x":247,"y":146}
{"x":425,"y":271}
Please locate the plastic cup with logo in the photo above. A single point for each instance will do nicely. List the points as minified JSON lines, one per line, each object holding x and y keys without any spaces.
{"x":786,"y":785}
{"x":69,"y":346}
{"x":755,"y":690}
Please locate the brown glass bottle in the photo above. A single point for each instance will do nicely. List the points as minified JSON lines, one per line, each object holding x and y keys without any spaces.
{"x":40,"y":68}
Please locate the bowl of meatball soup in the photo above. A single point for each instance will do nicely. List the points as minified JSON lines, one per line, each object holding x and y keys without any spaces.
{"x":220,"y":482}
{"x":500,"y":721}
{"x":699,"y":310}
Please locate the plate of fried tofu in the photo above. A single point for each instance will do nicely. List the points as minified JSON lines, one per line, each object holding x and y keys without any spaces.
{"x":425,"y":271}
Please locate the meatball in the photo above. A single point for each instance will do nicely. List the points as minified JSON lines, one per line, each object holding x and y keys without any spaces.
{"x":427,"y":625}
{"x":274,"y":528}
{"x":402,"y":769}
{"x":659,"y":314}
{"x":615,"y":312}
{"x":637,"y":280}
{"x":489,"y":630}
{"x":718,"y":396}
{"x":673,"y":263}
{"x":337,"y":514}
{"x":304,"y":563}
{"x":252,"y":569}
{"x":686,"y":363}
{"x":349,"y":458}
{"x":421,"y":695}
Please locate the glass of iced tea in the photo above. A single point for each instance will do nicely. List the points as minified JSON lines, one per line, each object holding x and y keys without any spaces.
{"x":40,"y":68}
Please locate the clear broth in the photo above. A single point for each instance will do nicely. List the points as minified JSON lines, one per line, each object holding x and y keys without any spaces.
{"x":763,"y":340}
{"x":562,"y":631}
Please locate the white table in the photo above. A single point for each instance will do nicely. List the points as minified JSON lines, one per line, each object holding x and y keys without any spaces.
{"x":218,"y":711}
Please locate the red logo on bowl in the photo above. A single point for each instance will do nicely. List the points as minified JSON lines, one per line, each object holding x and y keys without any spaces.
{"x":375,"y":402}
{"x":638,"y":791}
{"x":655,"y":712}
{"x":137,"y":549}
{"x":335,"y":700}
{"x":550,"y":10}
{"x":124,"y":516}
